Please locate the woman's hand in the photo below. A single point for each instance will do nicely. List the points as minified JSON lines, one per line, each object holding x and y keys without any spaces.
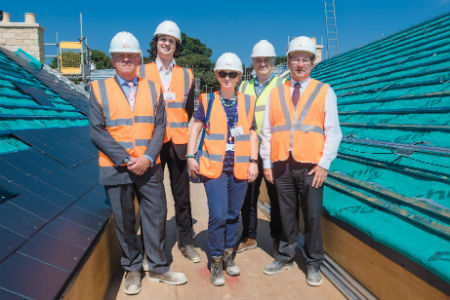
{"x":193,"y":167}
{"x":252,"y":172}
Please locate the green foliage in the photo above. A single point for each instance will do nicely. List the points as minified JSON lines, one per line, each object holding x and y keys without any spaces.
{"x":70,"y":58}
{"x":101,"y":59}
{"x":195,"y":55}
{"x":280,"y":60}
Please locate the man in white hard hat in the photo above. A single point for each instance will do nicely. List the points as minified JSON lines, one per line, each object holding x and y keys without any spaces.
{"x":178,"y":89}
{"x":300,"y":137}
{"x":263,"y":56}
{"x":127,"y":122}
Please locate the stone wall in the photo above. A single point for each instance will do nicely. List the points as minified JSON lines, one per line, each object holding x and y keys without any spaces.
{"x":27,"y":35}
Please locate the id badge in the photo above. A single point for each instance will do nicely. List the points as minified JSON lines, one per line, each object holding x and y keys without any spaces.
{"x":229,"y":147}
{"x":236,"y":131}
{"x":169,"y":96}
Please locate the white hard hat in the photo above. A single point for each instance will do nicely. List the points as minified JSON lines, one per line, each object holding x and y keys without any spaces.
{"x":263,"y":49}
{"x":124,"y":42}
{"x":168,"y":28}
{"x":228,"y":61}
{"x":302,"y":44}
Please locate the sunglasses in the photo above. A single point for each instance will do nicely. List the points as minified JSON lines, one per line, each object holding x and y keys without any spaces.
{"x":232,"y":75}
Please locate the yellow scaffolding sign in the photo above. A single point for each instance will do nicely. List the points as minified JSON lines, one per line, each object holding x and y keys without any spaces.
{"x":70,"y":57}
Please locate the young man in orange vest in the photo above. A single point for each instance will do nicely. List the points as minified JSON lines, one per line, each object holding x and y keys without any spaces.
{"x":178,"y":89}
{"x":127,"y":122}
{"x":300,"y":136}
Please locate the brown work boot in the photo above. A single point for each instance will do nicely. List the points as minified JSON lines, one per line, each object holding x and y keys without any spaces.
{"x":246,"y":244}
{"x":228,"y":263}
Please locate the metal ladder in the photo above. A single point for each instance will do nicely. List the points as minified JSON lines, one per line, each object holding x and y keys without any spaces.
{"x":330,"y":22}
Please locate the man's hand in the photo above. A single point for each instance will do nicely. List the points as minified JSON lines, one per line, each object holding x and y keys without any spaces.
{"x":252,"y":172}
{"x":138,"y":165}
{"x":320,"y":174}
{"x":268,"y":175}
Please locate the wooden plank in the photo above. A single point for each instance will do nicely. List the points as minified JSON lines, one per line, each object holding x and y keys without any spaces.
{"x":93,"y":280}
{"x":383,"y":277}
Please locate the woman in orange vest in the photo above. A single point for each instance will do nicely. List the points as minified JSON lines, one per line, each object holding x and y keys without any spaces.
{"x":228,"y":161}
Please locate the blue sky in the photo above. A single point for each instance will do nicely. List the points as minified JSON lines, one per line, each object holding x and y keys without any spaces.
{"x":226,"y":25}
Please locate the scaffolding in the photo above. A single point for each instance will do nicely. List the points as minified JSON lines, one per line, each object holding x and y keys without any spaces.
{"x":330,"y":23}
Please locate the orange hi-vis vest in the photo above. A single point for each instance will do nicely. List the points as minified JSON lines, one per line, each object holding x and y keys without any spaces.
{"x":132,"y":130}
{"x":214,"y":144}
{"x":299,"y":130}
{"x":177,"y":128}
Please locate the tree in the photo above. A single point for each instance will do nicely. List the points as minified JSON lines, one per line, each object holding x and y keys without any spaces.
{"x":101,"y":59}
{"x":70,"y":58}
{"x":195,"y":55}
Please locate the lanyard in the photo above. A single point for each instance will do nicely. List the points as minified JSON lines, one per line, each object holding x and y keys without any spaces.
{"x":231,"y":123}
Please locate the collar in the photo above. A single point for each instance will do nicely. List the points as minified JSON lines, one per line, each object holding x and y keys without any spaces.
{"x":122,"y":80}
{"x":265,"y":82}
{"x":160,"y":66}
{"x":302,"y":83}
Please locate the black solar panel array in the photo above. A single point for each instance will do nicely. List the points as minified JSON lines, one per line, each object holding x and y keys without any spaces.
{"x":52,"y":210}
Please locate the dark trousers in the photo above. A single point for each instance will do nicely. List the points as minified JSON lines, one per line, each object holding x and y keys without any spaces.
{"x":225,"y":197}
{"x":149,"y":190}
{"x":250,"y":207}
{"x":295,"y":191}
{"x":179,"y":183}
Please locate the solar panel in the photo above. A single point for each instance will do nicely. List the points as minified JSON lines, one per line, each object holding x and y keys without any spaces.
{"x":37,"y":94}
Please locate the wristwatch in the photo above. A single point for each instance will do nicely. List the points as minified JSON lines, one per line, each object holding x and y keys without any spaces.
{"x":253,"y":160}
{"x":125,"y":161}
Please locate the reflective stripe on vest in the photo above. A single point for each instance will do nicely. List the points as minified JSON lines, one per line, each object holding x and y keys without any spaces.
{"x":132,"y":130}
{"x":213,"y":151}
{"x":288,"y":136}
{"x":248,"y":87}
{"x":177,"y":119}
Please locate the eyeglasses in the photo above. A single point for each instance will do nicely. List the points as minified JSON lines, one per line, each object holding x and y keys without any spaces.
{"x":232,"y":75}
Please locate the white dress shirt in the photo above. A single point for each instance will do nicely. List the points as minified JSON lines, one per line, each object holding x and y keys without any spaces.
{"x":165,"y":74}
{"x":332,"y":130}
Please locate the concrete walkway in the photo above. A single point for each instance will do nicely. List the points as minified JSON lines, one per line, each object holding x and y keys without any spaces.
{"x":251,"y":284}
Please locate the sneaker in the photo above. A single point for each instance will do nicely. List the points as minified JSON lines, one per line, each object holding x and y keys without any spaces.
{"x":170,"y":277}
{"x":132,"y":284}
{"x":277,"y":266}
{"x":190,"y":253}
{"x":228,"y":263}
{"x":216,"y":267}
{"x":246,"y":244}
{"x":313,"y":276}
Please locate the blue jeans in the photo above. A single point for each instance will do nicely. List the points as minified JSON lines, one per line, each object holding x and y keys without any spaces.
{"x":225,"y":198}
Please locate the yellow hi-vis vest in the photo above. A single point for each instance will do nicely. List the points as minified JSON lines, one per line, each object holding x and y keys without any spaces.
{"x":299,"y":130}
{"x":248,"y":87}
{"x":214,"y":144}
{"x":177,"y":128}
{"x":131,"y":129}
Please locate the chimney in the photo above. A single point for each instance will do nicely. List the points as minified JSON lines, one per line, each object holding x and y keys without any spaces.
{"x":5,"y":17}
{"x":30,"y":18}
{"x":27,"y":35}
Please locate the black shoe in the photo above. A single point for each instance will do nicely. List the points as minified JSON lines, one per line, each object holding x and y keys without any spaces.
{"x":216,"y":265}
{"x":228,"y":263}
{"x":313,"y":276}
{"x":190,"y":253}
{"x":277,"y":266}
